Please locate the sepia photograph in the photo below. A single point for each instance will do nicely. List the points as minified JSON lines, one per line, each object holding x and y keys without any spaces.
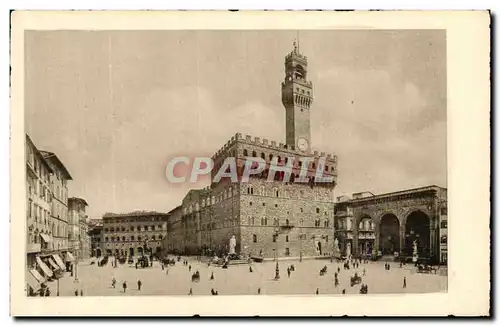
{"x":235,"y":162}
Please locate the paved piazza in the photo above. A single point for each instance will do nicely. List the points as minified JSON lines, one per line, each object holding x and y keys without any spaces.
{"x":96,"y":281}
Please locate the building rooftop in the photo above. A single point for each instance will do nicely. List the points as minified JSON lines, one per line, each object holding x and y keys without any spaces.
{"x":133,"y":214}
{"x":51,"y":157}
{"x":79,"y":200}
{"x":397,"y":193}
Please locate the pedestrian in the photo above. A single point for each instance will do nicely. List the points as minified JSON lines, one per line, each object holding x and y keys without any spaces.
{"x":404,"y":282}
{"x":213,"y":292}
{"x":212,"y":277}
{"x":136,"y":265}
{"x":124,"y":286}
{"x":258,"y":291}
{"x":336,"y":274}
{"x":401,"y":264}
{"x":364,"y":271}
{"x":317,"y":290}
{"x":190,"y":291}
{"x":162,"y":267}
{"x":189,"y":268}
{"x":343,"y":291}
{"x":76,"y":292}
{"x":250,"y":269}
{"x":139,"y":284}
{"x":113,"y":282}
{"x":289,"y":272}
{"x":167,"y":271}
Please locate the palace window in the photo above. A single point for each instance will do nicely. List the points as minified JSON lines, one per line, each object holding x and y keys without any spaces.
{"x":274,"y":237}
{"x":444,"y":224}
{"x":139,"y":238}
{"x":286,"y":238}
{"x":255,"y":238}
{"x":252,"y":220}
{"x":277,"y":193}
{"x":132,"y":229}
{"x":254,"y":154}
{"x":444,"y":239}
{"x":123,"y":238}
{"x":132,"y":238}
{"x":263,"y":204}
{"x":153,"y":238}
{"x":160,"y":237}
{"x":106,"y":239}
{"x":245,"y":152}
{"x":301,"y":210}
{"x":317,"y":210}
{"x":263,"y":156}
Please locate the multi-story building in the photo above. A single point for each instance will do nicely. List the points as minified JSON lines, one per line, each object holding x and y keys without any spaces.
{"x":409,"y":223}
{"x":443,"y":232}
{"x":77,"y":218}
{"x":95,"y":233}
{"x":46,"y":191}
{"x":134,"y":234}
{"x":84,"y":237}
{"x":59,"y":210}
{"x":40,"y":227}
{"x":174,"y":241}
{"x":266,"y":218}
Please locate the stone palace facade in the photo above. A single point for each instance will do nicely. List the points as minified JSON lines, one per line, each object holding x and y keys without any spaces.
{"x":267,"y":219}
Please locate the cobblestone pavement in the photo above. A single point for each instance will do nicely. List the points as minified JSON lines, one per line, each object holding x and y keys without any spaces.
{"x":96,"y":281}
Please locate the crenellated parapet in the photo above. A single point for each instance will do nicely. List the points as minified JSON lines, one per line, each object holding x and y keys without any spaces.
{"x":246,"y":146}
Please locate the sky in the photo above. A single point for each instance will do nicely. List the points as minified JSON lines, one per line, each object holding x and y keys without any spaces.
{"x":115,"y":106}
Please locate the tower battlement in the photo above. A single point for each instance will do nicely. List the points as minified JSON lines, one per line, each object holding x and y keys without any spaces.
{"x":266,"y":144}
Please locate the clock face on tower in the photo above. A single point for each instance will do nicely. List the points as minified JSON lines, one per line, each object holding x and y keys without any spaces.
{"x":302,"y":144}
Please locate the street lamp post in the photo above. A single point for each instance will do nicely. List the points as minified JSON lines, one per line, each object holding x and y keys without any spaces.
{"x":301,"y":236}
{"x":277,"y":271}
{"x":57,"y":293}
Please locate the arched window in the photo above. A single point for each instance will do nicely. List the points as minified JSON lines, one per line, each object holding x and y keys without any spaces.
{"x":245,"y":152}
{"x":132,"y":229}
{"x":252,"y":220}
{"x":132,"y":238}
{"x":254,"y":154}
{"x":263,"y":156}
{"x":106,"y":239}
{"x":139,"y":238}
{"x":153,"y":238}
{"x":286,"y":238}
{"x":160,"y":237}
{"x":112,"y":229}
{"x":123,"y":238}
{"x":255,"y":238}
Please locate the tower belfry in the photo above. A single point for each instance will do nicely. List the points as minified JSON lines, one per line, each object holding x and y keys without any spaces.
{"x":297,"y":97}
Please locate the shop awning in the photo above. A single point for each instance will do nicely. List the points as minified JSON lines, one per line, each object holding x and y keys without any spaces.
{"x":37,"y":275}
{"x":59,"y":261}
{"x":45,"y":237}
{"x":53,"y":264}
{"x":46,"y":270}
{"x":32,"y":282}
{"x":70,"y":257}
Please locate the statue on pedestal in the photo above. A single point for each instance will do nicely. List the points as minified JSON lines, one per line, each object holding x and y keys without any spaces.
{"x":348,"y":250}
{"x":415,"y":251}
{"x":336,"y":246}
{"x":232,"y":245}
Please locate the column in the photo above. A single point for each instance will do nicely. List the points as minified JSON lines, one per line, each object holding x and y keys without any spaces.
{"x":355,"y":242}
{"x":401,"y":239}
